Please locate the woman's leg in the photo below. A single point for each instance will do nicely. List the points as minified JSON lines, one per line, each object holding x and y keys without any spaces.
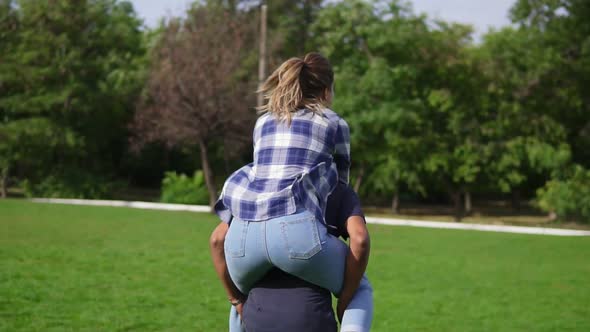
{"x":235,"y":321}
{"x":358,"y":316}
{"x":300,"y":245}
{"x":246,"y":259}
{"x":245,"y":253}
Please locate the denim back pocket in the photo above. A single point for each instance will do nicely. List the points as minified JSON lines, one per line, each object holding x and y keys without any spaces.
{"x":235,"y":240}
{"x":301,"y":237}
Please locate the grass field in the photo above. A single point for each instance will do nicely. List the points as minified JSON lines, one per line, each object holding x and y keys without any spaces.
{"x":72,"y":268}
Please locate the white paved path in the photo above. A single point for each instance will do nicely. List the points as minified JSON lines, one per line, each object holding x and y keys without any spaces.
{"x":371,"y":220}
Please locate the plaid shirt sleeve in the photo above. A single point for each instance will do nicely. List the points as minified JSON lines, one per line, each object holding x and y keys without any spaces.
{"x":342,"y":151}
{"x":221,"y":210}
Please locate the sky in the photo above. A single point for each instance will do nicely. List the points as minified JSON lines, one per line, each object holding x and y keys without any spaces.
{"x":482,"y":14}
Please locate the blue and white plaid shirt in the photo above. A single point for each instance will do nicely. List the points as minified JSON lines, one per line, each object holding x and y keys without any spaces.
{"x":294,"y":166}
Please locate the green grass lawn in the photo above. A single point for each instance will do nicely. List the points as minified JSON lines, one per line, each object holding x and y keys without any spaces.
{"x":72,"y":268}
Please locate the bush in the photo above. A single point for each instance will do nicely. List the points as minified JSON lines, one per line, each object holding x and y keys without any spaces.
{"x":73,"y":183}
{"x":182,"y":189}
{"x":568,"y":198}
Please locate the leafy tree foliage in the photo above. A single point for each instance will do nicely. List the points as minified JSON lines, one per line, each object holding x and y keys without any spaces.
{"x":69,"y":79}
{"x":409,"y":91}
{"x":567,"y":196}
{"x":195,"y":93}
{"x":432,"y":114}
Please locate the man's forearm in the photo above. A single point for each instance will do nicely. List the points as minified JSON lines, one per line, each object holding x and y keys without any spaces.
{"x":217,"y":254}
{"x":356,"y":264}
{"x":357,"y":258}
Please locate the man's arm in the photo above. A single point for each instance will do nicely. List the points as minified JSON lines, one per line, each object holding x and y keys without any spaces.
{"x":216,"y":242}
{"x":356,"y":261}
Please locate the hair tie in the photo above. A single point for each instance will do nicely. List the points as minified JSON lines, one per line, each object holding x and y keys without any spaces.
{"x":303,"y":64}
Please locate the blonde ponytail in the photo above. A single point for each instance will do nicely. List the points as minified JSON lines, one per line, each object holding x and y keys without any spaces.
{"x":296,"y":84}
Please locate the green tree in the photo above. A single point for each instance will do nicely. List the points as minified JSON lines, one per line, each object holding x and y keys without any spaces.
{"x":289,"y":24}
{"x":8,"y":27}
{"x":559,"y":88}
{"x":196,"y":96}
{"x":370,"y":94}
{"x":527,"y":144}
{"x":410,"y":93}
{"x":72,"y":71}
{"x":567,"y":195}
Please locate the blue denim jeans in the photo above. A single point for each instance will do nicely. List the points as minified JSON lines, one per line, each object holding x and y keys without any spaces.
{"x":299,"y":245}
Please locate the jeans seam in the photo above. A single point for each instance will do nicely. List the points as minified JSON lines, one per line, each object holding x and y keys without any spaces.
{"x":244,"y":235}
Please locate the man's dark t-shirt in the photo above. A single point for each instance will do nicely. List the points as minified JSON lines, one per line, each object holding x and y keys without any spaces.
{"x":282,"y":302}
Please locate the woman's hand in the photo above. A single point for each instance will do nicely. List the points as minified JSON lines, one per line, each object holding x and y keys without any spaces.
{"x":238,"y":303}
{"x":239,"y":309}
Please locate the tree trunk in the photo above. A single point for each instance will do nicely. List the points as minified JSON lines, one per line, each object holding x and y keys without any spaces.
{"x":359,"y":179}
{"x":4,"y":183}
{"x":395,"y":203}
{"x":468,"y":205}
{"x":456,"y":197}
{"x":208,"y":173}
